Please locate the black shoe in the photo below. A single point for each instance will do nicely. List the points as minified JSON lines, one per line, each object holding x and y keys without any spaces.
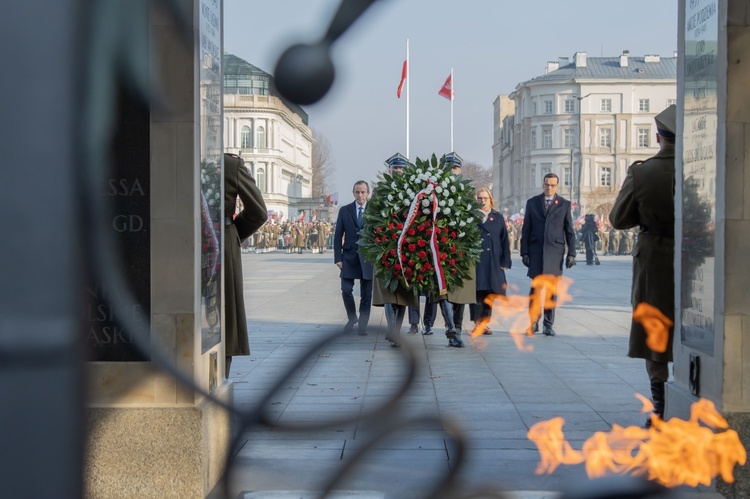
{"x":427,"y":331}
{"x":362,"y":332}
{"x":414,"y":329}
{"x":548,"y":331}
{"x":349,"y":327}
{"x":455,"y":342}
{"x":533,"y":329}
{"x":487,"y":331}
{"x":395,"y":345}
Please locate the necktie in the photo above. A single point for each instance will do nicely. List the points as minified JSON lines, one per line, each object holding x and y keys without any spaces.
{"x":547,"y":202}
{"x":359,"y":216}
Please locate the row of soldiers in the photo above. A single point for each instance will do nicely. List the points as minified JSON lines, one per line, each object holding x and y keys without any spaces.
{"x":611,"y":241}
{"x":293,"y":237}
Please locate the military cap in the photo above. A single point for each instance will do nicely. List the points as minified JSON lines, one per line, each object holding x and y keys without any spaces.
{"x":453,"y":160}
{"x":666,"y":124}
{"x":397,"y":161}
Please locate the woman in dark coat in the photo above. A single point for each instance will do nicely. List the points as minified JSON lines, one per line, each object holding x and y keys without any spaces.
{"x":495,"y":258}
{"x":238,"y":226}
{"x":589,"y":238}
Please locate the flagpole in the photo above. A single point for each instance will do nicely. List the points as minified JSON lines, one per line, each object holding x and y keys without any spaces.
{"x":408,"y":77}
{"x":453,"y":89}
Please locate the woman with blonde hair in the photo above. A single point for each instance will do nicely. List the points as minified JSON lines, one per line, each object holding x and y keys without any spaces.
{"x":495,"y":258}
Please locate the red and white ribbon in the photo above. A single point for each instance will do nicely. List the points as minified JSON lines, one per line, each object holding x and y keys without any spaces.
{"x":414,"y":209}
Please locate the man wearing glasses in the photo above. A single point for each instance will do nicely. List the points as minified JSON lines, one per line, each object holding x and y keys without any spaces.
{"x":547,"y":231}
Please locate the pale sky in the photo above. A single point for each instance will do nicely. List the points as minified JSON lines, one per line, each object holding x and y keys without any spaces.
{"x":492,"y":46}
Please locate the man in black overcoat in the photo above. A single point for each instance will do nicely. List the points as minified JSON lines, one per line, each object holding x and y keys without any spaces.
{"x":352,"y":264}
{"x":546,"y":233}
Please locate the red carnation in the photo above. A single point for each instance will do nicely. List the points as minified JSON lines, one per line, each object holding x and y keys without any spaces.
{"x":397,"y":266}
{"x":392,"y":252}
{"x":422,"y":270}
{"x":420,"y":228}
{"x":411,"y":231}
{"x":453,"y":262}
{"x":412,"y":247}
{"x":400,"y":226}
{"x":411,"y":263}
{"x":422,"y":255}
{"x":421,"y":243}
{"x":408,"y":272}
{"x":453,"y":248}
{"x":390,"y":225}
{"x":395,"y":236}
{"x":386,"y":264}
{"x":443,"y":256}
{"x":454,"y":270}
{"x":420,"y":278}
{"x":427,"y":266}
{"x":429,"y":232}
{"x":444,"y":239}
{"x":403,"y":258}
{"x":378,"y":229}
{"x":453,"y":234}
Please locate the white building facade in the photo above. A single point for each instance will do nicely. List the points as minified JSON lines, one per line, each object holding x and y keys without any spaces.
{"x":586,"y":120}
{"x":272,"y":136}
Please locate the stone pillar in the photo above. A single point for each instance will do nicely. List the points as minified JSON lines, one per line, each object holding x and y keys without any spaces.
{"x":712,"y":233}
{"x":149,"y":436}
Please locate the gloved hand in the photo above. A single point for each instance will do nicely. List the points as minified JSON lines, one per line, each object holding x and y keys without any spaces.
{"x":525,"y":260}
{"x":570,"y":261}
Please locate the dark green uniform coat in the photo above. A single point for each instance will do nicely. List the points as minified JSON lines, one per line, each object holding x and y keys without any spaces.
{"x":238,"y":182}
{"x":647,"y":200}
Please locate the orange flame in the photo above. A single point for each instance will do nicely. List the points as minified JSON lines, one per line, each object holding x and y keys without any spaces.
{"x":656,"y":325}
{"x":518,"y":309}
{"x":674,"y":452}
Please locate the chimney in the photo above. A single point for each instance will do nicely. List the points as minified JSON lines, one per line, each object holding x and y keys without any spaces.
{"x":580,"y":59}
{"x":563,"y":61}
{"x":552,"y":66}
{"x":624,"y":58}
{"x":651,"y":58}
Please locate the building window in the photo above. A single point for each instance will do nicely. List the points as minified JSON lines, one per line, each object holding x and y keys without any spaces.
{"x":532,"y":176}
{"x":570,"y":105}
{"x":546,"y":168}
{"x":533,"y":139}
{"x":568,"y":138}
{"x":246,"y":138}
{"x":606,"y":105}
{"x":567,"y":177}
{"x":643,"y":135}
{"x":533,"y":108}
{"x":260,"y":134}
{"x":643,"y":105}
{"x":261,"y":179}
{"x":547,"y":107}
{"x":547,"y":138}
{"x":605,"y":137}
{"x":606,"y":176}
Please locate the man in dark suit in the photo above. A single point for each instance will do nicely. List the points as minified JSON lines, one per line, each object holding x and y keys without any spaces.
{"x":547,"y":230}
{"x":352,"y":264}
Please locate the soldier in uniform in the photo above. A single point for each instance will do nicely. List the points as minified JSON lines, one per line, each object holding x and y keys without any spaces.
{"x":646,"y":199}
{"x":395,"y":302}
{"x":604,"y":238}
{"x":614,"y":241}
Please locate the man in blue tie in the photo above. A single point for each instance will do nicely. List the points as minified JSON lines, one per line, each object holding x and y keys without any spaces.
{"x":350,"y":262}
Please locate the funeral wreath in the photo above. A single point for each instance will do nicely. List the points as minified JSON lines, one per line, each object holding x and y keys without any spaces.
{"x":420,"y":229}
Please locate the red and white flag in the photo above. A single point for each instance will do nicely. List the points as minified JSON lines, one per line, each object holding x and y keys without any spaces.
{"x":403,"y":80}
{"x":447,"y":89}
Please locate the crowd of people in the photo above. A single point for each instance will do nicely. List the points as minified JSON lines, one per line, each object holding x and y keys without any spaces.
{"x":291,"y":237}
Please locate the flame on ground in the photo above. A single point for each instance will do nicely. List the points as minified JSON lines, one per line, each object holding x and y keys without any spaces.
{"x":673,"y":453}
{"x":656,"y":325}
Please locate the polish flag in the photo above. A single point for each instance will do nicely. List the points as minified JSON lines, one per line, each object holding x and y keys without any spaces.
{"x":403,"y":80}
{"x":447,"y":89}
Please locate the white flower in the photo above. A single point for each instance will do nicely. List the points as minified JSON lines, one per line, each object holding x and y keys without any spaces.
{"x":441,"y":202}
{"x":462,"y":186}
{"x":468,"y":207}
{"x":421,"y":177}
{"x":444,"y":184}
{"x":412,"y":178}
{"x":407,"y":202}
{"x":419,"y":171}
{"x":426,"y":211}
{"x":450,"y":201}
{"x":429,"y":189}
{"x":382,"y":213}
{"x":438,"y":189}
{"x":461,"y":234}
{"x":425,"y":202}
{"x":453,"y":188}
{"x":390,"y":197}
{"x":209,"y":192}
{"x":393,"y":185}
{"x":447,"y":210}
{"x":461,"y":223}
{"x":401,"y":195}
{"x":433,"y":179}
{"x":452,"y":223}
{"x":410,"y":193}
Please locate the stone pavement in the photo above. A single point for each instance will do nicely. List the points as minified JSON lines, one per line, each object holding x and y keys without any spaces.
{"x":492,"y":391}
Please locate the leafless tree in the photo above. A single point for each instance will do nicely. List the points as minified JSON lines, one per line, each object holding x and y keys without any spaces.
{"x":479,"y":175}
{"x":323,"y":168}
